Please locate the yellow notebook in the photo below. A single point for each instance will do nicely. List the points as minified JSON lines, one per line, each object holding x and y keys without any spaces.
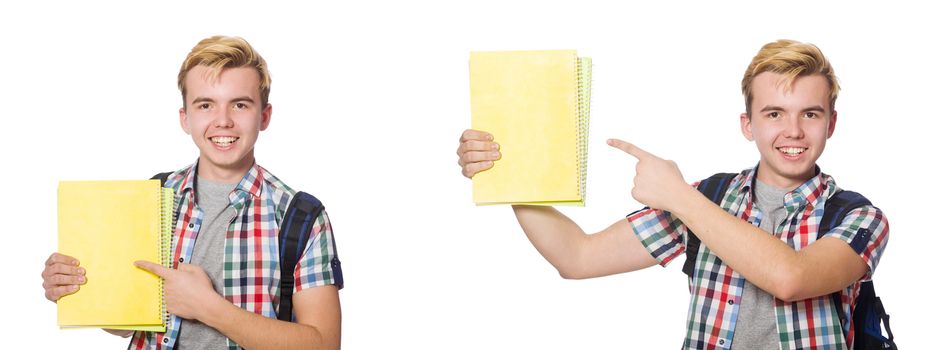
{"x":536,"y":105}
{"x":108,"y":225}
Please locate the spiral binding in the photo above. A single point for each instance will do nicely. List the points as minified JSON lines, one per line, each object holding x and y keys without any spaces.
{"x":168,"y":220}
{"x":583,"y":109}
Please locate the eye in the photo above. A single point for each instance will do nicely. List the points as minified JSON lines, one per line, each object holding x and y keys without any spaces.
{"x":204,"y":106}
{"x":774,"y":115}
{"x":241,"y":105}
{"x":810,"y":115}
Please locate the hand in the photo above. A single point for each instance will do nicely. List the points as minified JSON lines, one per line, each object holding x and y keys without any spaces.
{"x":658,"y":183}
{"x":62,"y":276}
{"x":477,"y":152}
{"x":187,"y":290}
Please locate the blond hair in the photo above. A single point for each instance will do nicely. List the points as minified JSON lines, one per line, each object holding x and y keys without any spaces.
{"x":791,"y":59}
{"x":221,"y":52}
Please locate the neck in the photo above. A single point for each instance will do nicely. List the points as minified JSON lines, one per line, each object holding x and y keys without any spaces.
{"x":782,"y":181}
{"x":224,"y":174}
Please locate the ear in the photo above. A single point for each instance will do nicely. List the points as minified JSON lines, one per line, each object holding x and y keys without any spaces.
{"x":746,"y":126}
{"x":183,"y":121}
{"x":832,"y":126}
{"x":265,"y":117}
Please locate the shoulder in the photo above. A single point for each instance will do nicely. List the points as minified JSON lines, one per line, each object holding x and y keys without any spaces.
{"x":859,"y":211}
{"x":852,"y":217}
{"x":274,"y":186}
{"x":854,"y":205}
{"x":280,"y":194}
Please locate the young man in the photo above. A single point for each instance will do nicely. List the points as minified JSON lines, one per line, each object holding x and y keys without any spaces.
{"x":765,"y":280}
{"x":223,"y":291}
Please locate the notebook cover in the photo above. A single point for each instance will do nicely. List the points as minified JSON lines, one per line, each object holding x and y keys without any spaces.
{"x":530,"y":102}
{"x":108,"y":225}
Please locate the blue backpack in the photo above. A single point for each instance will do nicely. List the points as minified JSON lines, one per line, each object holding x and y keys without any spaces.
{"x":294,"y":235}
{"x":869,"y":313}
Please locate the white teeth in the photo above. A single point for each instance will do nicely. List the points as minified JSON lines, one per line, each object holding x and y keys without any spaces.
{"x":792,"y":150}
{"x":223,"y":140}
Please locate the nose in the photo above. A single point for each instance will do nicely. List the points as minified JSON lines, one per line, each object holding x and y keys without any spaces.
{"x":223,"y":118}
{"x":794,"y":128}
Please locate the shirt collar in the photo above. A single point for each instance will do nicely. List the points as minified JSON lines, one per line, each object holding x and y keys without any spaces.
{"x":808,"y":192}
{"x":250,"y":183}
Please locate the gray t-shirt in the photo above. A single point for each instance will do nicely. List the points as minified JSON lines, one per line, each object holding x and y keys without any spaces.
{"x":209,"y":253}
{"x":755,"y":326}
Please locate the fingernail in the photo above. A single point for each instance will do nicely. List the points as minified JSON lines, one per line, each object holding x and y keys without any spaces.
{"x":495,"y":154}
{"x":81,"y":279}
{"x":75,"y":262}
{"x":72,"y":288}
{"x":81,"y":271}
{"x":495,"y":146}
{"x":489,"y":137}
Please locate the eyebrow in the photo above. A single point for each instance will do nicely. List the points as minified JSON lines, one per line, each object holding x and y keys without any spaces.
{"x":236,"y":99}
{"x":201,"y":99}
{"x":243,"y":99}
{"x":808,"y":109}
{"x":815,"y":109}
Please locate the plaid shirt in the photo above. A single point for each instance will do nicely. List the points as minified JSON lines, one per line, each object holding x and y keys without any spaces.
{"x":251,"y":267}
{"x":716,"y":289}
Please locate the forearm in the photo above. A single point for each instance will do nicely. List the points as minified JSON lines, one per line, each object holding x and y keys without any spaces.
{"x":253,"y":331}
{"x":764,"y":260}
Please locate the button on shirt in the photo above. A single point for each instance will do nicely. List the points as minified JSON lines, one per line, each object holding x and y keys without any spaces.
{"x":716,"y":289}
{"x":251,"y":257}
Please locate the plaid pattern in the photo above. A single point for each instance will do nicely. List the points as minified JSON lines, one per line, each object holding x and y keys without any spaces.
{"x":716,"y":289}
{"x":252,"y":267}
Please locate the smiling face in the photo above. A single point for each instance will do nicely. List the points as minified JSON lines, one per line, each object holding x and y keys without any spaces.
{"x":790,"y":126}
{"x":224,"y":117}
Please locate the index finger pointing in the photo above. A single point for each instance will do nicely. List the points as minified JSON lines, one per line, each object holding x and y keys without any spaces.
{"x":156,"y":269}
{"x":629,"y":148}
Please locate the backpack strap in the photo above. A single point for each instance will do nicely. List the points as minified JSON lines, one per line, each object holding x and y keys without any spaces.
{"x":834,"y":211}
{"x":869,"y":312}
{"x":713,"y":188}
{"x":298,"y":220}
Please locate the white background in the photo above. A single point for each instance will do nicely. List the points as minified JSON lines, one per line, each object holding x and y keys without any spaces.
{"x":369,"y":101}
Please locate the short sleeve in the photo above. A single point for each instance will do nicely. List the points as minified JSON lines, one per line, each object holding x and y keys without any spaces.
{"x":865,"y":229}
{"x":660,"y":232}
{"x":319,"y":264}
